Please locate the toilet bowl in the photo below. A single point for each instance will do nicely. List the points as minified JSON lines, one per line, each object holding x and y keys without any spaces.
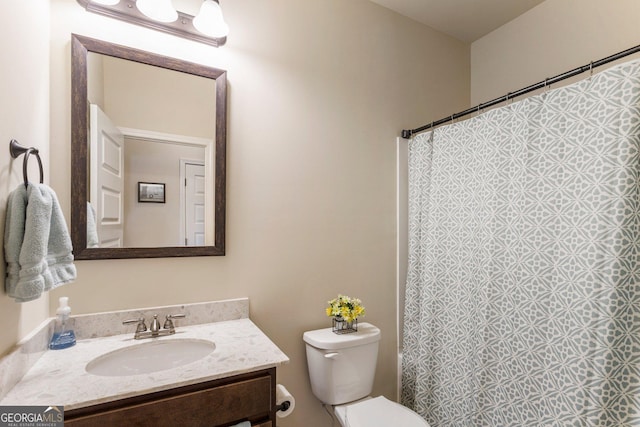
{"x":377,"y":411}
{"x":342,"y":369}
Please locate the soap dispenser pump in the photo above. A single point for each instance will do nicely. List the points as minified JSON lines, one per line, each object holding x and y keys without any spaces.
{"x":63,"y":336}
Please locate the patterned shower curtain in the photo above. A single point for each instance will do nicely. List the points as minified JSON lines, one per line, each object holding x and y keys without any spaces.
{"x":523,"y":292}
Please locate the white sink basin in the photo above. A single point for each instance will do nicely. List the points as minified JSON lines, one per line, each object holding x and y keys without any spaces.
{"x":150,"y":357}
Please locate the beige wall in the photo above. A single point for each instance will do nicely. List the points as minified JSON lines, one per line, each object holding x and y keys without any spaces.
{"x":554,"y":37}
{"x":154,"y":224}
{"x":318,"y":92}
{"x":95,"y":79}
{"x":141,"y":96}
{"x":24,"y":115}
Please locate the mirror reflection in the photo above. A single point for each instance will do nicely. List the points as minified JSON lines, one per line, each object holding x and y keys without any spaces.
{"x":153,"y":145}
{"x":149,"y":125}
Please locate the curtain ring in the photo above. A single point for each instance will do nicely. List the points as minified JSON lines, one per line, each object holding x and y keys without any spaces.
{"x":591,"y":69}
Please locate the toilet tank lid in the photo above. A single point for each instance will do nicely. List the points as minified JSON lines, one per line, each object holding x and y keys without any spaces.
{"x":326,"y":339}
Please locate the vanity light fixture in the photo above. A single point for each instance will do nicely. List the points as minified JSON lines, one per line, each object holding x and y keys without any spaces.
{"x":207,"y":27}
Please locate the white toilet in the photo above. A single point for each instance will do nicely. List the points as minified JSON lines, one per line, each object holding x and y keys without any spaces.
{"x":342,"y":368}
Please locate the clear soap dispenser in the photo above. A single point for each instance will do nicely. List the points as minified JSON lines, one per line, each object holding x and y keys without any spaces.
{"x":63,"y":336}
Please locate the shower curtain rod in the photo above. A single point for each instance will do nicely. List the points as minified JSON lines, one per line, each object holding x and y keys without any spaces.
{"x":408,"y":133}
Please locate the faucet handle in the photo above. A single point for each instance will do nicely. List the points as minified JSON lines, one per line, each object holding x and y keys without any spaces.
{"x":176,"y":316}
{"x":140,"y":321}
{"x":168,"y":322}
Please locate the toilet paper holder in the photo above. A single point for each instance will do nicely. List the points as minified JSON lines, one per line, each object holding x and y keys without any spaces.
{"x":283,"y":406}
{"x":285,"y":402}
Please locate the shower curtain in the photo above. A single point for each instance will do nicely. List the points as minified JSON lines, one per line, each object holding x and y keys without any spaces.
{"x":522,"y":297}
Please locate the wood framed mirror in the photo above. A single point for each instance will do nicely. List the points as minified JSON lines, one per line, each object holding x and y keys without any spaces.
{"x":107,"y":220}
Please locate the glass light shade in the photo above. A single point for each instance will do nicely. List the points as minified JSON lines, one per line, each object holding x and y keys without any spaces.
{"x":158,"y":10}
{"x":210,"y":21}
{"x":106,"y":2}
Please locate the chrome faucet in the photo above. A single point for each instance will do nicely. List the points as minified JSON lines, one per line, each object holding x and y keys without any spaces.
{"x":155,"y":326}
{"x":154,"y":329}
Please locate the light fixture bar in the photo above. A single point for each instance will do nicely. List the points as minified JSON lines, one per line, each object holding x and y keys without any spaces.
{"x":127,"y":11}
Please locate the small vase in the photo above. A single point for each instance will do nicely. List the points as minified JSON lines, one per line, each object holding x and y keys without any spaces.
{"x":341,"y":326}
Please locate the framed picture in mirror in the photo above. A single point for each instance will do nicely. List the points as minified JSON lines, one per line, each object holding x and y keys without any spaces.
{"x":151,"y":192}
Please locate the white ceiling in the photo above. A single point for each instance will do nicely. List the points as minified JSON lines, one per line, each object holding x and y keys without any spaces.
{"x":466,"y":20}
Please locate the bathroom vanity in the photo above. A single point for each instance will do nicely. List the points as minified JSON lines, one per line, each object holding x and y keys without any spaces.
{"x":232,"y":382}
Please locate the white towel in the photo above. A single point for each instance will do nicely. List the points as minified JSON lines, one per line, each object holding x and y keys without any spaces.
{"x":37,"y":246}
{"x":92,"y":227}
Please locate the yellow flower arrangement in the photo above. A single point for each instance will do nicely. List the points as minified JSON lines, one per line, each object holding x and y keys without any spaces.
{"x":346,"y":307}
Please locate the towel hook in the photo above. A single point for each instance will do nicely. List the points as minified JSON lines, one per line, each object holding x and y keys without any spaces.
{"x":16,"y":149}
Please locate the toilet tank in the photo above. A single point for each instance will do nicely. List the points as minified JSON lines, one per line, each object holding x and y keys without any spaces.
{"x":342,"y":366}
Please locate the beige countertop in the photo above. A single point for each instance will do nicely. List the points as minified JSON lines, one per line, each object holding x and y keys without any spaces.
{"x":59,"y":376}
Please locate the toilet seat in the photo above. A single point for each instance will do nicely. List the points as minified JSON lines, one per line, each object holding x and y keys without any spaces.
{"x":378,"y":411}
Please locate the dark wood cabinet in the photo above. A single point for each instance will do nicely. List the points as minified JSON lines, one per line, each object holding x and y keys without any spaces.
{"x":223,"y":402}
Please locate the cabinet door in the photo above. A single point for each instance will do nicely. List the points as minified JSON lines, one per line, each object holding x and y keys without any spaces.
{"x":213,"y":406}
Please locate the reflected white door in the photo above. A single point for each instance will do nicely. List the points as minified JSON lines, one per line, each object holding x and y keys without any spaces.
{"x":193,"y":203}
{"x":107,"y":178}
